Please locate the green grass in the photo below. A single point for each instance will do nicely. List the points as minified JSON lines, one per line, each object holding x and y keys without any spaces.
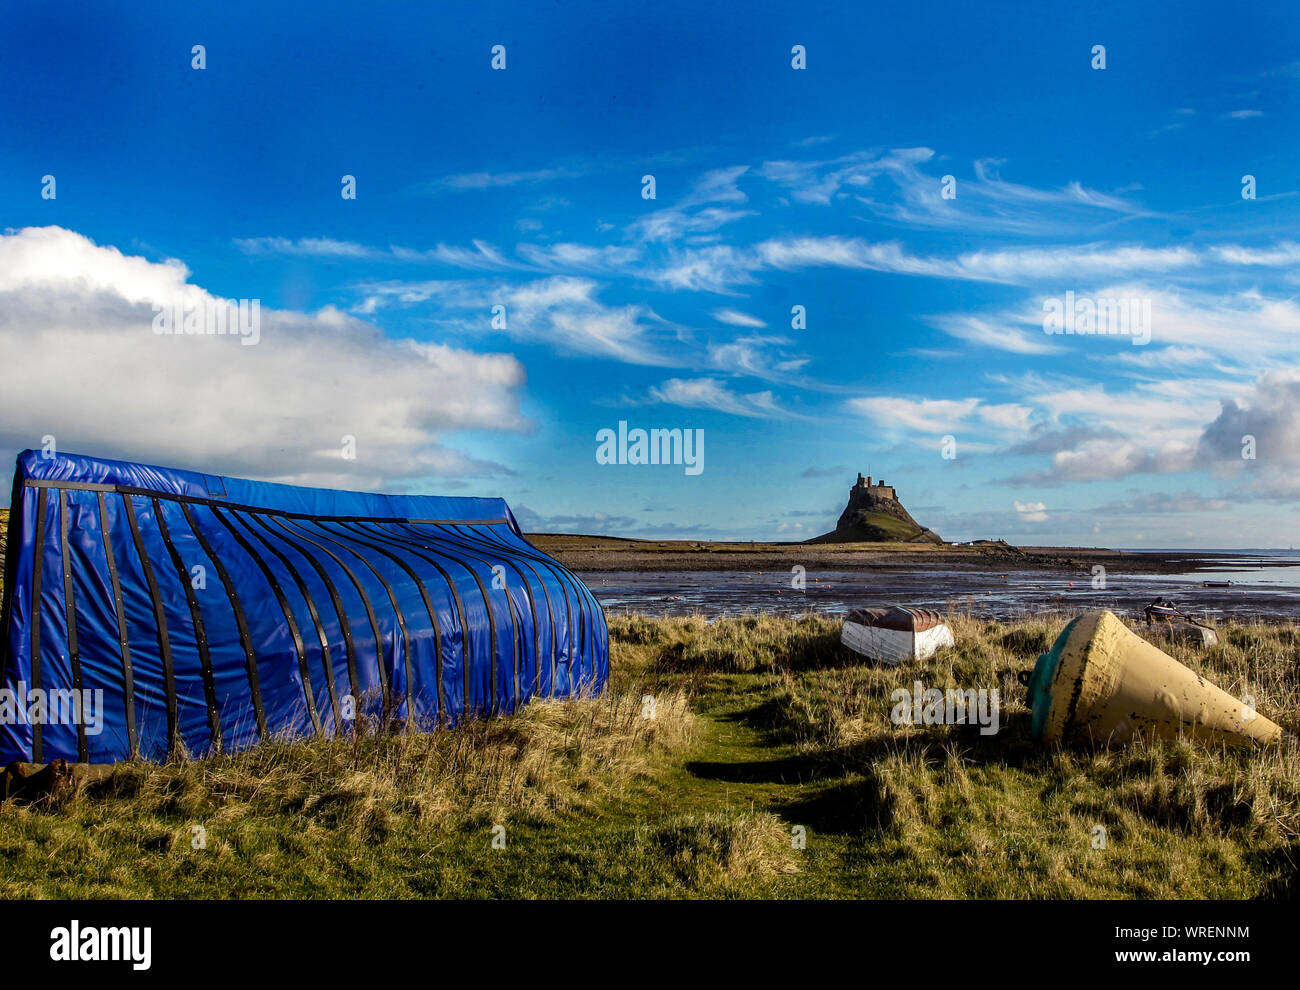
{"x":762,"y":726}
{"x":882,"y":527}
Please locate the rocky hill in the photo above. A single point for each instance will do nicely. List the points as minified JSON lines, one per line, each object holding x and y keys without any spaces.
{"x":875,"y":515}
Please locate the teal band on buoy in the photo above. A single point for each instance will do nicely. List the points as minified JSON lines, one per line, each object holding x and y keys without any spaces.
{"x":1040,"y":682}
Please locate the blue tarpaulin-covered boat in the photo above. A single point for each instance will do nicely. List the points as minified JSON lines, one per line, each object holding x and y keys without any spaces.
{"x":150,"y":611}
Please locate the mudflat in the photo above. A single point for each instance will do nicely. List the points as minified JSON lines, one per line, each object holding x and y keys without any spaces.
{"x":593,"y":554}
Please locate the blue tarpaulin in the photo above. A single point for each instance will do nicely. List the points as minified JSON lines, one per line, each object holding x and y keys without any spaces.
{"x":150,"y":611}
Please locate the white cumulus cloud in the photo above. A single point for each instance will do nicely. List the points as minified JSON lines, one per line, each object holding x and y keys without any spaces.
{"x":84,"y":364}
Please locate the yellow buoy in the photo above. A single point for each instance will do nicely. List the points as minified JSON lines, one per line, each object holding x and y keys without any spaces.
{"x":1102,"y":683}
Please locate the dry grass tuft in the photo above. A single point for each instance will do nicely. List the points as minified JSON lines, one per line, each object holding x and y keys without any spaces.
{"x":552,"y":757}
{"x":269,"y":810}
{"x":720,"y":849}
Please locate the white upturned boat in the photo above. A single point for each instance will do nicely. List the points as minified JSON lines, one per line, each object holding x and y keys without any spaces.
{"x":892,"y":634}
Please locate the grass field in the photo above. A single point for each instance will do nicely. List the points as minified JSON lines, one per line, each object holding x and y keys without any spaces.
{"x":761,"y":726}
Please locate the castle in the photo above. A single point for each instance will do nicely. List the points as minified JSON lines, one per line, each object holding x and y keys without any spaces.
{"x":875,"y":515}
{"x":879,"y":490}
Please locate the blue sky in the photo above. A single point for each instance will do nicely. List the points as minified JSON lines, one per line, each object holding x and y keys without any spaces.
{"x":774,"y":188}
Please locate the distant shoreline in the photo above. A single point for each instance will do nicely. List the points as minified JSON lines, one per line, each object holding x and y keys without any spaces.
{"x":612,"y":553}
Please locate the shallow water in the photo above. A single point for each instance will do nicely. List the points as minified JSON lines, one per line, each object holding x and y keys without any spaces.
{"x":1260,"y":589}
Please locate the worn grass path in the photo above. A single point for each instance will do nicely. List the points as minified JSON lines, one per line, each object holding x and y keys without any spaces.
{"x":715,"y":821}
{"x":740,"y":770}
{"x":709,"y":822}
